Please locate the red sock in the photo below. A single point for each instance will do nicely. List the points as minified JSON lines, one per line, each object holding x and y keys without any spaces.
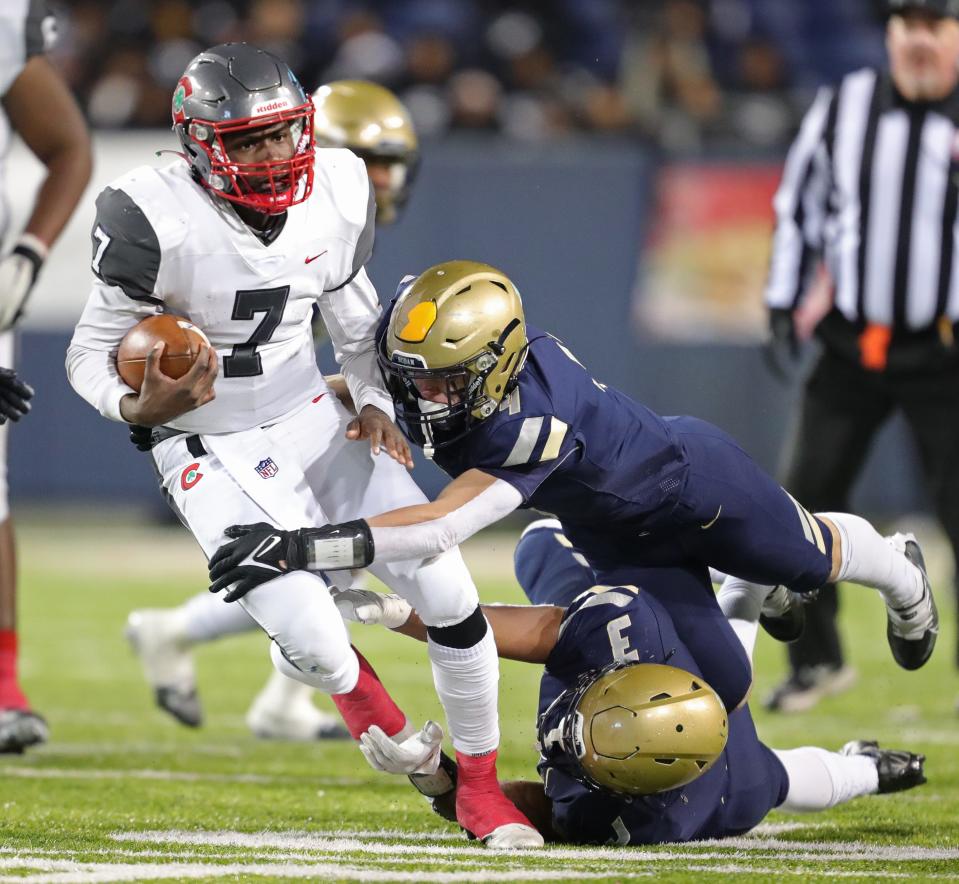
{"x":481,"y":806}
{"x":369,"y":703}
{"x":11,"y":697}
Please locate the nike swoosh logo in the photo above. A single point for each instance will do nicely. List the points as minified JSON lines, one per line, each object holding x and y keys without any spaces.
{"x":254,"y":557}
{"x":311,"y":260}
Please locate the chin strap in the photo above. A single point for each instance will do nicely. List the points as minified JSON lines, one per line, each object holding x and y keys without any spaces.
{"x":348,"y":545}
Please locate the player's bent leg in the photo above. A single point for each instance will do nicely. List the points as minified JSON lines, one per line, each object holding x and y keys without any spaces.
{"x":819,"y":779}
{"x":159,"y":639}
{"x":163,"y":639}
{"x":896,"y":568}
{"x":550,"y":570}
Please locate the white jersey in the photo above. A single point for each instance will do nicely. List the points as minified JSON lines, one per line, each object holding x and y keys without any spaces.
{"x":27,"y":28}
{"x":164,"y":244}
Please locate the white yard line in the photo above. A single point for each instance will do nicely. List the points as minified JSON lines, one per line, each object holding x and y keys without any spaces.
{"x":351,"y":843}
{"x":67,"y":872}
{"x":182,"y":776}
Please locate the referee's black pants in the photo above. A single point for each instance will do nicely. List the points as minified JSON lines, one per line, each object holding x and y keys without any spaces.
{"x":843,"y":406}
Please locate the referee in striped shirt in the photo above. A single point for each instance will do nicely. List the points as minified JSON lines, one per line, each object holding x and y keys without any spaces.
{"x":867,"y":212}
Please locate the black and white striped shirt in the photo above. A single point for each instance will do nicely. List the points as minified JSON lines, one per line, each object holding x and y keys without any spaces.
{"x":868,"y":186}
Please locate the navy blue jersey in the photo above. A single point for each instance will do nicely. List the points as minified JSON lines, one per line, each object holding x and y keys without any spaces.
{"x":575,"y":448}
{"x":622,"y":624}
{"x":631,"y":487}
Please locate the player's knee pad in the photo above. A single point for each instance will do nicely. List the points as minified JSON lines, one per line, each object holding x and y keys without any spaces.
{"x":339,"y":680}
{"x":440,"y":589}
{"x":468,"y":633}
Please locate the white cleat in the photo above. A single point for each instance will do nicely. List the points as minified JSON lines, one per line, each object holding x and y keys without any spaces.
{"x":513,"y":836}
{"x":158,"y":637}
{"x":284,"y":710}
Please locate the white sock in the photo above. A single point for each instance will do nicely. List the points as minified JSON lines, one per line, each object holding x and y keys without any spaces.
{"x":819,"y":779}
{"x":467,"y":682}
{"x":208,"y":617}
{"x":867,"y":558}
{"x":742,"y":603}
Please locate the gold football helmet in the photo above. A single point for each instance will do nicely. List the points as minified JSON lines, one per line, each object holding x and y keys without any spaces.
{"x":636,"y":729}
{"x":451,"y":352}
{"x":373,"y":123}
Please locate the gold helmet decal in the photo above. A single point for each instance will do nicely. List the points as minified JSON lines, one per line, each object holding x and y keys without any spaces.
{"x":459,"y":330}
{"x":418,"y":323}
{"x":372,"y":122}
{"x":644,"y":728}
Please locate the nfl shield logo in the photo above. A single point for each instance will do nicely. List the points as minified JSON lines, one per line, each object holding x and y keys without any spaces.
{"x":267,"y":469}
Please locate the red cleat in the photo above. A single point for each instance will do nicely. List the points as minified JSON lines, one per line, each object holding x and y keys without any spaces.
{"x":484,"y":811}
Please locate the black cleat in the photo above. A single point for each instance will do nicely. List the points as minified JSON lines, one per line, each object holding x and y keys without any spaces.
{"x":783,"y":615}
{"x":898,"y":769}
{"x":183,"y":705}
{"x":912,"y":631}
{"x":19,"y":729}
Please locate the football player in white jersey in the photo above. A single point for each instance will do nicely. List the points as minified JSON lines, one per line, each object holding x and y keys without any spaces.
{"x":242,"y":236}
{"x":37,"y":105}
{"x":372,"y":122}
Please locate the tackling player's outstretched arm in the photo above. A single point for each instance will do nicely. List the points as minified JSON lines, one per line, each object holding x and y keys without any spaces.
{"x":527,"y":633}
{"x":260,"y":552}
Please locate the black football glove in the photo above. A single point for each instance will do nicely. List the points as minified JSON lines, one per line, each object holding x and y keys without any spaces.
{"x":782,"y":348}
{"x":15,"y":396}
{"x":258,"y":553}
{"x":141,"y":437}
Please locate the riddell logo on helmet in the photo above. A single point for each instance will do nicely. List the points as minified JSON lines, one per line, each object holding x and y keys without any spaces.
{"x":268,"y":107}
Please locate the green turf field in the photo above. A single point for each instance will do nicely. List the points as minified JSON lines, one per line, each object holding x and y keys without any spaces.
{"x":124,"y":793}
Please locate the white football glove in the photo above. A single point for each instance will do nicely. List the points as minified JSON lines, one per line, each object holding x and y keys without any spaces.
{"x":371,"y":608}
{"x":18,"y":273}
{"x":417,"y":754}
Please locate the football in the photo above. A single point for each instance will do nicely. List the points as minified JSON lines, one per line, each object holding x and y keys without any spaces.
{"x":183,"y":343}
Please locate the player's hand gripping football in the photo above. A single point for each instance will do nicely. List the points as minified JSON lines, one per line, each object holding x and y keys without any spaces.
{"x":18,"y":273}
{"x":161,"y":398}
{"x":373,"y":424}
{"x":371,"y":608}
{"x":15,"y":396}
{"x":257,"y":554}
{"x":417,"y":754}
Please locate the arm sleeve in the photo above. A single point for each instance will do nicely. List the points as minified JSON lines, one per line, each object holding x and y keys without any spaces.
{"x":126,"y":261}
{"x":351,"y":315}
{"x":351,"y":312}
{"x":800,"y":205}
{"x":91,"y":357}
{"x":428,"y":539}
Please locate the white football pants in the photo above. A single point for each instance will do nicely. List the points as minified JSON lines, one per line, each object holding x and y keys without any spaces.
{"x":300,"y":472}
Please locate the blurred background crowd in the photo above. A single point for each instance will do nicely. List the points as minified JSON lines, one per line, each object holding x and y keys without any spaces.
{"x":684,"y":75}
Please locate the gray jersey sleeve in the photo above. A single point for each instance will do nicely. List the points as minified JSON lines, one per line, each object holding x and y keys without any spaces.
{"x":27,"y":28}
{"x":126,"y":250}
